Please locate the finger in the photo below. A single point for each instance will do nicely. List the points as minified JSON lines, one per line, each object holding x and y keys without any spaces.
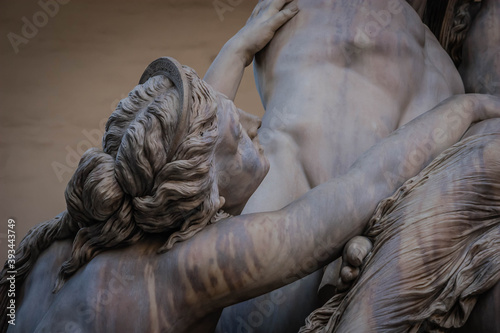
{"x":341,"y":286}
{"x":250,"y":123}
{"x":282,"y":17}
{"x":349,"y":274}
{"x":356,"y":250}
{"x":257,"y":9}
{"x":279,"y":4}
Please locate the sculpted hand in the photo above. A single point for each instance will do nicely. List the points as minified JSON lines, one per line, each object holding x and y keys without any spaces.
{"x":341,"y":273}
{"x":226,"y":71}
{"x":353,"y":257}
{"x":267,"y":17}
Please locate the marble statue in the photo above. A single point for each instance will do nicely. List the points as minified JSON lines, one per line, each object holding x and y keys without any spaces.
{"x":451,"y":246}
{"x":160,"y":235}
{"x":339,"y":77}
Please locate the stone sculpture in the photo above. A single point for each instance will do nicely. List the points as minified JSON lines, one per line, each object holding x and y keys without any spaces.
{"x":341,"y":75}
{"x":147,"y":230}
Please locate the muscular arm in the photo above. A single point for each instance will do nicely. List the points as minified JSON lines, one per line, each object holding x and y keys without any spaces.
{"x":226,"y":72}
{"x":248,"y":255}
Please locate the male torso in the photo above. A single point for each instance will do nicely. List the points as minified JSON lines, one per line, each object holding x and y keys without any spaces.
{"x":336,"y":79}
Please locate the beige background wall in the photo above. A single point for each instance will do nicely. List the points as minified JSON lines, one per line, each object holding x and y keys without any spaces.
{"x":59,"y":87}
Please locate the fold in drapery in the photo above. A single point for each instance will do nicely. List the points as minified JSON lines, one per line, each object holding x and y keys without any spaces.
{"x":436,"y":248}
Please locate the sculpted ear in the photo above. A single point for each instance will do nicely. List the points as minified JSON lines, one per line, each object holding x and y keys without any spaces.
{"x":222,"y":201}
{"x":250,"y":123}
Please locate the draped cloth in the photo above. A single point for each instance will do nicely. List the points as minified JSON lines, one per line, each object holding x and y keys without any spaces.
{"x":436,"y":248}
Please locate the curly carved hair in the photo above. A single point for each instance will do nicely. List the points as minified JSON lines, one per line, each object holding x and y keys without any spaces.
{"x":130,"y":188}
{"x":450,"y":21}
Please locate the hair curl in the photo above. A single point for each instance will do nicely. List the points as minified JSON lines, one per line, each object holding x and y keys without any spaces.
{"x":129,"y":188}
{"x":450,"y":21}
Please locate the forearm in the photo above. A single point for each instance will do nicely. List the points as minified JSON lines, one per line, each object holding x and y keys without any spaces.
{"x":257,"y":253}
{"x":412,"y":147}
{"x":226,"y":72}
{"x":339,"y":209}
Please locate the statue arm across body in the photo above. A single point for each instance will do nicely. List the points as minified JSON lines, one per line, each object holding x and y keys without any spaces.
{"x":274,"y":249}
{"x":248,"y":255}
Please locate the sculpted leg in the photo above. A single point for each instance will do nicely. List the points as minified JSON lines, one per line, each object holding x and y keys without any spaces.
{"x":437,"y":246}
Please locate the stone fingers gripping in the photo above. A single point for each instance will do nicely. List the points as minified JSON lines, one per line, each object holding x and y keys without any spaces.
{"x":353,"y":257}
{"x":356,"y":251}
{"x":270,"y":8}
{"x":341,"y":273}
{"x":279,"y":4}
{"x":282,"y":16}
{"x":258,"y":8}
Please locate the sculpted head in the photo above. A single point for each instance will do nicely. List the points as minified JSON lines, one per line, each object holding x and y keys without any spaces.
{"x":158,"y":173}
{"x":240,"y":162}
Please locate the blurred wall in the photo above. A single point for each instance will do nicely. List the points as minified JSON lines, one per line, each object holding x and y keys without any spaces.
{"x":61,"y":80}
